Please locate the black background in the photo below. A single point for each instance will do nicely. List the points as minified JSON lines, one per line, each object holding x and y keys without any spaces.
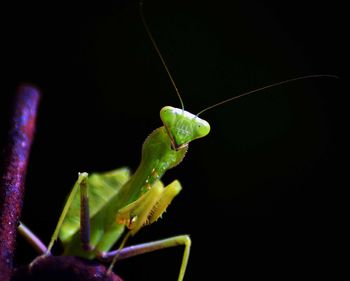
{"x":261,"y":193}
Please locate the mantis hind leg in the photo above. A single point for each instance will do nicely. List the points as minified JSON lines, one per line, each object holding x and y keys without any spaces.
{"x":135,"y":250}
{"x":33,"y":240}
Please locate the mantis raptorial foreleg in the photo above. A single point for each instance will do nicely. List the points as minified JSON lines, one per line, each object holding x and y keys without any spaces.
{"x":146,"y":210}
{"x":148,"y":207}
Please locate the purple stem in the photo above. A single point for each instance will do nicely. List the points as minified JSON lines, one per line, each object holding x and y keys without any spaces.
{"x":14,"y":171}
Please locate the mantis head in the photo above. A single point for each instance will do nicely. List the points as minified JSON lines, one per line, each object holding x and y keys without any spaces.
{"x":183,"y":126}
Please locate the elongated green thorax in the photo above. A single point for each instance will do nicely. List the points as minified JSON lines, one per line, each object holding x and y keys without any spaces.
{"x":157,"y":157}
{"x":183,"y":126}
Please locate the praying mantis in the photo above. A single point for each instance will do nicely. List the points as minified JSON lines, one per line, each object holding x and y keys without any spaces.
{"x":101,"y":207}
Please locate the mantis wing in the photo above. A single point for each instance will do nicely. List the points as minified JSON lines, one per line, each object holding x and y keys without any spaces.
{"x":102,"y":187}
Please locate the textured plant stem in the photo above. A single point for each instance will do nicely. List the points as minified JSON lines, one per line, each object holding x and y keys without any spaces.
{"x":14,"y":170}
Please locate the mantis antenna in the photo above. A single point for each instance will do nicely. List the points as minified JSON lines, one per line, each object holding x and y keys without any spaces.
{"x":159,"y":53}
{"x":229,"y":99}
{"x":266,"y":87}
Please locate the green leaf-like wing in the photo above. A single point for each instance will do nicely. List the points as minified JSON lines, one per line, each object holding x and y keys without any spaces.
{"x":101,"y":188}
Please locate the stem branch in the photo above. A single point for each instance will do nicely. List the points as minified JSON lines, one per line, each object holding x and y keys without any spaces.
{"x":14,"y":171}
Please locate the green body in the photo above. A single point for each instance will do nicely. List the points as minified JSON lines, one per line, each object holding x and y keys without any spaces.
{"x":117,"y":199}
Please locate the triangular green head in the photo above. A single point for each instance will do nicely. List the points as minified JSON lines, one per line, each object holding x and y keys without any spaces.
{"x":183,"y":126}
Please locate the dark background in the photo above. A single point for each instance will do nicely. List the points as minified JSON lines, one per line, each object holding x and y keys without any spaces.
{"x":262,"y":193}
